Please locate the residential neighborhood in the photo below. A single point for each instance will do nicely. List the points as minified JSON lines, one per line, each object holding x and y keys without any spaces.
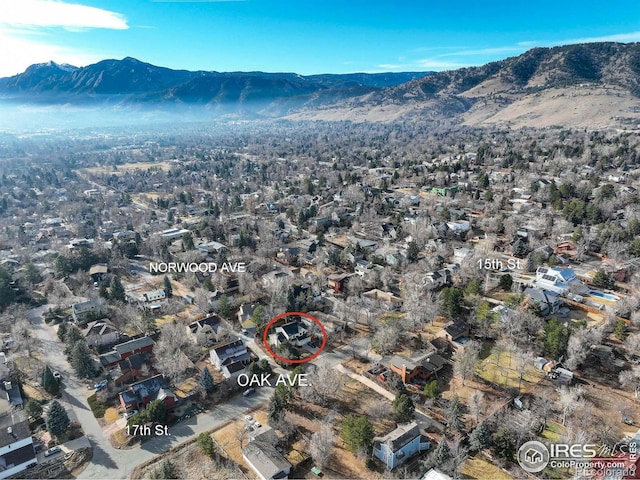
{"x":425,"y":297}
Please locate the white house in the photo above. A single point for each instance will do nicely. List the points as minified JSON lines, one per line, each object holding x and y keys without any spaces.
{"x":293,"y":332}
{"x":228,"y":352}
{"x":153,"y":296}
{"x":560,"y":281}
{"x":173,"y":233}
{"x":211,"y":247}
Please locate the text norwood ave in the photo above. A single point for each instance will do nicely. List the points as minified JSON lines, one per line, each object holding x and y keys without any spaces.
{"x":193,"y":267}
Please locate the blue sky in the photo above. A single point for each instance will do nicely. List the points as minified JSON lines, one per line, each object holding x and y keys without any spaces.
{"x":305,"y":36}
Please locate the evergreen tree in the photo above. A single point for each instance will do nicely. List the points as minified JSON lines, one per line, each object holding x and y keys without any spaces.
{"x":413,"y":251}
{"x":258,"y":317}
{"x":57,"y":420}
{"x":453,"y":414}
{"x":480,"y":437}
{"x":116,"y":290}
{"x":82,"y":361}
{"x":205,"y":443}
{"x":442,"y":453}
{"x":505,"y":283}
{"x":206,"y":380}
{"x":187,"y":241}
{"x":452,"y":301}
{"x":403,"y":407}
{"x":168,"y":288}
{"x":167,"y":471}
{"x":225,"y":307}
{"x":156,"y":411}
{"x":103,"y":291}
{"x":621,"y":331}
{"x":49,"y":382}
{"x":431,"y":389}
{"x":602,"y":280}
{"x":357,"y":433}
{"x":62,"y":331}
{"x":33,"y":408}
{"x":556,"y":338}
{"x":503,"y":444}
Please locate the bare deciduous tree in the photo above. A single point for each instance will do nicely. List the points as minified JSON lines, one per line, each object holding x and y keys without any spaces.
{"x":568,"y":400}
{"x":169,"y":352}
{"x":321,"y":445}
{"x":465,"y":360}
{"x":476,"y":404}
{"x":323,"y":384}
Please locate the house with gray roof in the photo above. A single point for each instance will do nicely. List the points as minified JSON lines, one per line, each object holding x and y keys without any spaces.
{"x":266,"y":461}
{"x":17,"y":452}
{"x":398,"y":446}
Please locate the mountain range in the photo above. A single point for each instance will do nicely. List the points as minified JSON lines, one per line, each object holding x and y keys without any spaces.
{"x":590,"y":85}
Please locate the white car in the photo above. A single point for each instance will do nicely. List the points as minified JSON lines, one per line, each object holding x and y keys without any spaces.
{"x":52,"y":451}
{"x":57,"y":375}
{"x":249,"y":419}
{"x":130,"y":414}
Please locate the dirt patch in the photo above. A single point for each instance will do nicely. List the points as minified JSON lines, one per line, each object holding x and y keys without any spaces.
{"x":188,"y":461}
{"x":235,"y":435}
{"x":35,"y":393}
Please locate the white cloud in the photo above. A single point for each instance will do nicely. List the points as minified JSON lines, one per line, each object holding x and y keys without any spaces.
{"x":20,"y":51}
{"x":48,"y":13}
{"x":27,"y":30}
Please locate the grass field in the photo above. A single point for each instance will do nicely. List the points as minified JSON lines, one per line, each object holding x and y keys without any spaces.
{"x":553,"y":431}
{"x":500,"y":368}
{"x":111,"y":415}
{"x":478,"y":467}
{"x":128,"y":167}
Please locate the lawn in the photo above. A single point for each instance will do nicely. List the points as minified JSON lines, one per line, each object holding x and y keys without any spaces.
{"x":499,"y":368}
{"x":111,"y":415}
{"x":478,"y":467}
{"x":553,"y":431}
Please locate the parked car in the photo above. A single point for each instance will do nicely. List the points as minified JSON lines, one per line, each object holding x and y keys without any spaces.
{"x":249,"y":419}
{"x":52,"y":451}
{"x":130,"y":414}
{"x":57,"y":375}
{"x":101,"y":384}
{"x":248,"y":391}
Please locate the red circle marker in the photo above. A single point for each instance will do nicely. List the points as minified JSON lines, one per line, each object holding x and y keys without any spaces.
{"x":293,"y":314}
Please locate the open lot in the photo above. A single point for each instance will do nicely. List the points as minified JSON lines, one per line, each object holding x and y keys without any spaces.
{"x":235,"y":435}
{"x":479,"y":467}
{"x":500,"y":367}
{"x":128,"y":167}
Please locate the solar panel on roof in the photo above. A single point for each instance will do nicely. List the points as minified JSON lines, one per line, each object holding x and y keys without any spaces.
{"x":549,"y":278}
